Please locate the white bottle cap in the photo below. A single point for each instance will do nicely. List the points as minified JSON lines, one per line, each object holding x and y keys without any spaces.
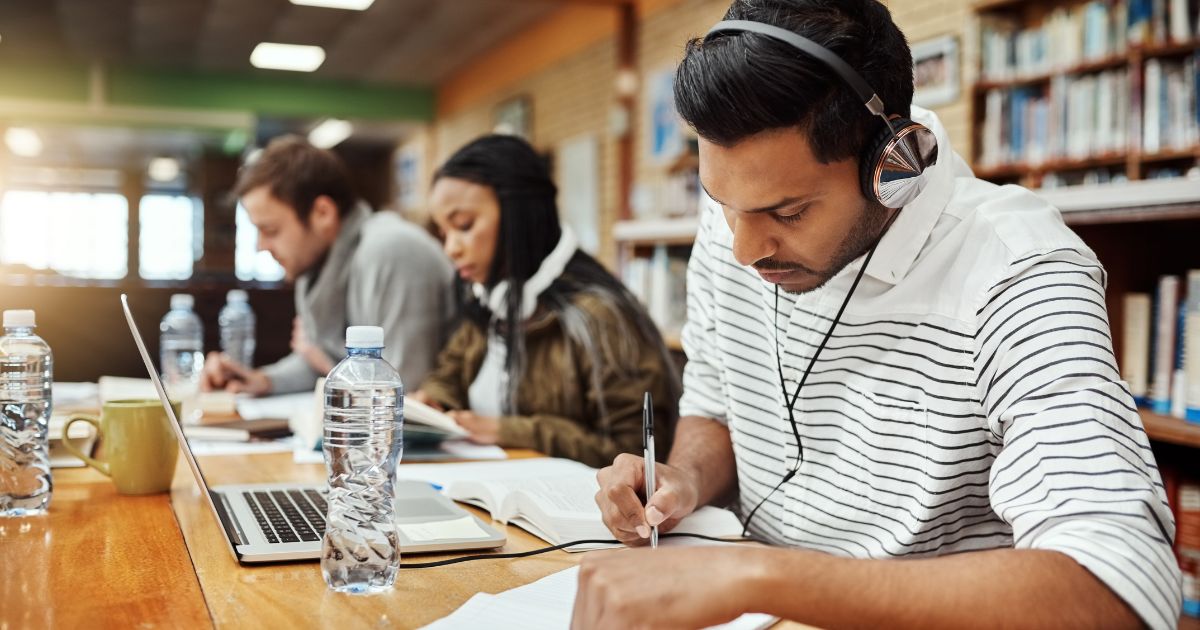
{"x":20,"y":319}
{"x":182,"y":301}
{"x":237,"y":295}
{"x":364,"y":337}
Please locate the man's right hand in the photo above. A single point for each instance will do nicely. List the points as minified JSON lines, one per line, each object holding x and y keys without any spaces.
{"x":619,"y":498}
{"x":221,"y":372}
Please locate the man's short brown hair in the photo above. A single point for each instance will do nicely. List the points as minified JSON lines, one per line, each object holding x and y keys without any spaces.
{"x":296,"y":173}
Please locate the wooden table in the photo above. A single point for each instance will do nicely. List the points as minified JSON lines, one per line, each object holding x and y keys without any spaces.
{"x":295,"y":595}
{"x":100,"y":559}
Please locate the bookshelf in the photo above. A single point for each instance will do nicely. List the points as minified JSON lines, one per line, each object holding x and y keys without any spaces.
{"x":1072,"y":92}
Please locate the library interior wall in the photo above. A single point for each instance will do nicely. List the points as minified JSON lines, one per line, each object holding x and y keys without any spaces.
{"x":570,"y":82}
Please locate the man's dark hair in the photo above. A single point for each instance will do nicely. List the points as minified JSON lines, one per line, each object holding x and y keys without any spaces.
{"x":738,"y":84}
{"x":296,"y":173}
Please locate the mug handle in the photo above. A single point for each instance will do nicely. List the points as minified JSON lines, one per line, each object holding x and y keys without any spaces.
{"x":70,"y":446}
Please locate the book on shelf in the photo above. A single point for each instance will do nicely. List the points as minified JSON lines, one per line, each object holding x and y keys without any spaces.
{"x":659,"y":281}
{"x":1171,"y":119}
{"x":1161,"y":347}
{"x":1073,"y":117}
{"x":1088,"y":32}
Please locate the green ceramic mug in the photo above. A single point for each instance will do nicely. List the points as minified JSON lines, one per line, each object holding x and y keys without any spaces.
{"x":140,"y":449}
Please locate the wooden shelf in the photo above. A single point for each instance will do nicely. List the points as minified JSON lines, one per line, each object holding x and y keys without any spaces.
{"x":1189,"y":623}
{"x":667,"y":231}
{"x":1172,"y":430}
{"x":1168,"y":49}
{"x":1106,"y":63}
{"x":1171,"y":154}
{"x":1018,"y":169}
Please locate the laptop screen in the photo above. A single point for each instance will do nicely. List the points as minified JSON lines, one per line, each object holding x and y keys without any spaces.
{"x":162,"y":396}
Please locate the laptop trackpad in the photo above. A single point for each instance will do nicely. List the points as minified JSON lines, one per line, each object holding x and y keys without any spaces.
{"x":421,"y":509}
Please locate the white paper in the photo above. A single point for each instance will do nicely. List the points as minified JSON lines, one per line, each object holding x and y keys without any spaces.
{"x":206,"y":447}
{"x":122,"y":388}
{"x":466,"y":528}
{"x":533,"y":468}
{"x":546,"y":605}
{"x":284,"y":406}
{"x":76,"y":396}
{"x":449,"y":449}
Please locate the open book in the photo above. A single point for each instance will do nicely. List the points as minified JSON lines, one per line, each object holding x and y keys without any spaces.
{"x":418,"y":413}
{"x":561,"y":508}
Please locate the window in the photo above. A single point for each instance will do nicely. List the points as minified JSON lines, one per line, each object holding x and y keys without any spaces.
{"x":248,"y":262}
{"x":169,"y":240}
{"x":83,"y":235}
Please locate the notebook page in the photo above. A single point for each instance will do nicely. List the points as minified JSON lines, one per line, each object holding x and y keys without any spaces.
{"x":546,"y":605}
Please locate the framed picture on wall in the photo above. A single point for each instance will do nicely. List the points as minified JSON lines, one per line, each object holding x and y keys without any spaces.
{"x":936,"y":71}
{"x":514,"y":117}
{"x":665,"y":138}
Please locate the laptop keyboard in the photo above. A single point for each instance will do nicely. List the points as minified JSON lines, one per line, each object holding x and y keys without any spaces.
{"x":287,"y":516}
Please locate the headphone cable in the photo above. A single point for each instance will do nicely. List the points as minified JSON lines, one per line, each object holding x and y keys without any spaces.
{"x":534,"y":552}
{"x":791,"y":403}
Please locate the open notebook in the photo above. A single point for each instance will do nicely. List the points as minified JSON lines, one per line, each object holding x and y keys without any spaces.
{"x":553,"y":499}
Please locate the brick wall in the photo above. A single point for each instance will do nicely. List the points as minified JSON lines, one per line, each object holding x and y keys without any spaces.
{"x":569,"y":99}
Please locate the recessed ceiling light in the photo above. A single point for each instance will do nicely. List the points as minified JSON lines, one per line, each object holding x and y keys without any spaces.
{"x":23,"y":141}
{"x":163,"y":169}
{"x":353,"y":5}
{"x":295,"y":57}
{"x":330,"y":133}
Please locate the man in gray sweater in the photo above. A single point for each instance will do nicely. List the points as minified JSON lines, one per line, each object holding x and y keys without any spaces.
{"x":351,"y":268}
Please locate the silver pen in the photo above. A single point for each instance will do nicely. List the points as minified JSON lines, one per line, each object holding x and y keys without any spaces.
{"x":648,"y":456}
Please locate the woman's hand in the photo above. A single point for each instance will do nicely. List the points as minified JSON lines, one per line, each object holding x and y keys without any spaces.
{"x":483,"y":429}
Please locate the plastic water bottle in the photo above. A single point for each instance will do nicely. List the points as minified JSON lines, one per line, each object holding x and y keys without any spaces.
{"x":26,"y":374}
{"x":237,"y":328}
{"x":182,"y":354}
{"x":364,"y":420}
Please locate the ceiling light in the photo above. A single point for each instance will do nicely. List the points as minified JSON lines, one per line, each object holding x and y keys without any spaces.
{"x":353,"y":5}
{"x":287,"y":57}
{"x":23,"y":141}
{"x":330,"y":133}
{"x":163,"y":169}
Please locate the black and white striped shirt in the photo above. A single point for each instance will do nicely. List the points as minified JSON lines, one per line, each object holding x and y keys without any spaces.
{"x":969,"y":398}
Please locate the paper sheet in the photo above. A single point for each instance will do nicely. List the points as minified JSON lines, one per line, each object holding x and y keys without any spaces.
{"x":284,"y":406}
{"x":546,"y":605}
{"x":448,"y":450}
{"x":225,"y":447}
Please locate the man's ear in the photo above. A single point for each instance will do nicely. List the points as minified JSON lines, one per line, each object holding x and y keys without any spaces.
{"x":324,"y":219}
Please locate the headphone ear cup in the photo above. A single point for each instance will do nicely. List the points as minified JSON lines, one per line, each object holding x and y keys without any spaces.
{"x":872,"y":154}
{"x":892,"y":172}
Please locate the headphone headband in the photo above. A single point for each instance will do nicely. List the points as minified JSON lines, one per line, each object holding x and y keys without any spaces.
{"x":869,"y":98}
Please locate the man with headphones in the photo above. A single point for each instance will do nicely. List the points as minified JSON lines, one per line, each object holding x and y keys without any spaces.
{"x":888,"y":360}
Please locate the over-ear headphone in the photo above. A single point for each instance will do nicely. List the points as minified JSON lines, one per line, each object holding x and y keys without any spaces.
{"x":892,"y":164}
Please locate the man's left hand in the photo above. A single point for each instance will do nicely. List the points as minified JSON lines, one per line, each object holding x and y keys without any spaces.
{"x":483,"y":429}
{"x":680,"y":587}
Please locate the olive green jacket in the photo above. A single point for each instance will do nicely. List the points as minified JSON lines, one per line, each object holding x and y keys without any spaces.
{"x":560,"y":413}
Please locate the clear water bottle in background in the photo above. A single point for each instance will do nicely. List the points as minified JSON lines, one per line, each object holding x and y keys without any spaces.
{"x":26,"y":374}
{"x":237,"y":328}
{"x":364,"y":417}
{"x":182,"y":354}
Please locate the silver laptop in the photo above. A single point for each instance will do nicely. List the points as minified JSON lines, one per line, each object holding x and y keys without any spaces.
{"x":277,"y":522}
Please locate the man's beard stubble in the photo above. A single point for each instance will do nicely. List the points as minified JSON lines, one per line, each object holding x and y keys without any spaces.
{"x":872,"y":217}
